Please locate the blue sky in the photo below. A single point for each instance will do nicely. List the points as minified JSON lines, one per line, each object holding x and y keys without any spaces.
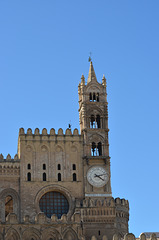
{"x":44,"y":49}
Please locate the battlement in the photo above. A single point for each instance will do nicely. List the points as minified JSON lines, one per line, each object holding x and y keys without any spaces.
{"x":9,"y":167}
{"x":9,"y":158}
{"x":29,"y":133}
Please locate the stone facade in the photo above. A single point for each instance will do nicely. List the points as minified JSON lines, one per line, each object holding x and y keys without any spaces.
{"x":58,"y":186}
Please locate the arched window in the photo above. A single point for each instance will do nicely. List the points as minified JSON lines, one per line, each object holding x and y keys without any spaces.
{"x":44,"y":176}
{"x":92,"y":122}
{"x":29,"y":166}
{"x":96,"y":149}
{"x":44,"y":166}
{"x":28,"y":176}
{"x":59,"y":177}
{"x":74,"y":177}
{"x":90,"y":97}
{"x":74,"y":166}
{"x":98,"y":121}
{"x":59,"y":167}
{"x":8,"y":205}
{"x":99,"y":149}
{"x":93,"y":150}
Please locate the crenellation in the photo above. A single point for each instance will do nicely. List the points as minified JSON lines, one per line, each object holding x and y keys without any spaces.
{"x":36,"y":131}
{"x":29,"y":131}
{"x":68,"y":132}
{"x":16,"y":157}
{"x":8,"y":158}
{"x":52,"y":131}
{"x":44,"y":131}
{"x":60,"y":131}
{"x":75,"y":131}
{"x":21,"y":131}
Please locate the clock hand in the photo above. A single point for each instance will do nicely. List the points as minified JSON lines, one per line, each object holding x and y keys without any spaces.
{"x":98,"y":177}
{"x":101,"y":178}
{"x":102,"y":174}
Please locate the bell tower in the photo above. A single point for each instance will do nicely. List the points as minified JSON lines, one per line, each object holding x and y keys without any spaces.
{"x":93,"y":117}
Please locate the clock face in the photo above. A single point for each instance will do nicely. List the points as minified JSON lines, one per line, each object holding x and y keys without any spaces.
{"x":97,"y":176}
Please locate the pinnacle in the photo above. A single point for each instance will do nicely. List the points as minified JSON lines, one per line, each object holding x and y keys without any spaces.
{"x":91,"y":74}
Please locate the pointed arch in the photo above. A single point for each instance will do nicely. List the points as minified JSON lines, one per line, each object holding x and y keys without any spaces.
{"x":50,"y":233}
{"x":31,"y":233}
{"x":96,"y":138}
{"x":44,"y":148}
{"x":95,"y":110}
{"x":59,"y":148}
{"x":93,"y":87}
{"x":12,"y":234}
{"x":70,"y":234}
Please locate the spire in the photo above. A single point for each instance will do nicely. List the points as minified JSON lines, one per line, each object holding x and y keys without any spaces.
{"x":91,"y":74}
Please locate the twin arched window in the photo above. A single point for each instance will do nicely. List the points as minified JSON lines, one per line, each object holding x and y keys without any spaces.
{"x":96,"y":149}
{"x":94,"y":97}
{"x":95,"y":121}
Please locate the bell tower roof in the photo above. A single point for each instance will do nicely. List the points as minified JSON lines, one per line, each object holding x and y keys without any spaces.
{"x":91,"y":74}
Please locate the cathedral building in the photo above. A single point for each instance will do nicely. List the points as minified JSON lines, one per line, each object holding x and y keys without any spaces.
{"x":58,"y":186}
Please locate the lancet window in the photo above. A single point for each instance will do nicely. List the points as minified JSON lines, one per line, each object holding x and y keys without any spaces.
{"x":93,"y":97}
{"x":74,"y":177}
{"x":96,"y":149}
{"x":95,"y":121}
{"x":74,"y":166}
{"x":44,"y":176}
{"x":29,"y":166}
{"x":59,"y":176}
{"x":44,"y":166}
{"x":59,"y":167}
{"x":28,"y":176}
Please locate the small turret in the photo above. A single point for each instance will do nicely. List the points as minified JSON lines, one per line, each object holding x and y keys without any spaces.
{"x":82,"y":80}
{"x":104,"y":81}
